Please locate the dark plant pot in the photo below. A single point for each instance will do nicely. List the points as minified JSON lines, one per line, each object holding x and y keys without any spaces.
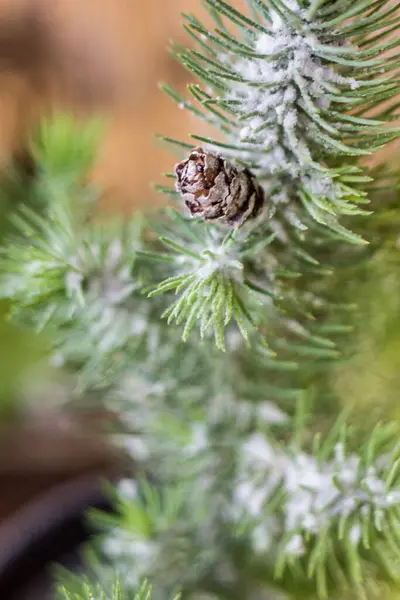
{"x":50,"y":530}
{"x":47,"y":485}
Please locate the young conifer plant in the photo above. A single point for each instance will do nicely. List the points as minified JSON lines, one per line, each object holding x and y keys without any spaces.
{"x":216,"y":329}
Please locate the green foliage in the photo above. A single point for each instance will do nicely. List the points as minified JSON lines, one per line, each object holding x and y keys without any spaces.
{"x":20,"y":354}
{"x":65,"y":148}
{"x":42,"y":246}
{"x":375,"y":342}
{"x":298,"y":91}
{"x":162,"y":532}
{"x":90,"y":591}
{"x":240,"y":493}
{"x":354,"y":536}
{"x":62,"y":269}
{"x":213,"y":281}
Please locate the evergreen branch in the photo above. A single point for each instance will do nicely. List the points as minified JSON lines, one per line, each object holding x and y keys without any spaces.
{"x":64,"y":149}
{"x":276,"y":75}
{"x":339,"y":505}
{"x":148,"y":523}
{"x":89,"y":591}
{"x":212,"y":290}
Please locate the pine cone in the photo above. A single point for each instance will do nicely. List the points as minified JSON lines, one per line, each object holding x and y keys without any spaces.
{"x":217,"y":190}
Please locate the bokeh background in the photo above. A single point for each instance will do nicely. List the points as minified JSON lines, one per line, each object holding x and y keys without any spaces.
{"x":106,"y":55}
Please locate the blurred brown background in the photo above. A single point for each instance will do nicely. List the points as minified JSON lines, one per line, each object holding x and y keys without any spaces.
{"x":97,"y":54}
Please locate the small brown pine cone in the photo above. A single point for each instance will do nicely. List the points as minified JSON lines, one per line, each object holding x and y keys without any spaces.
{"x":216,"y":190}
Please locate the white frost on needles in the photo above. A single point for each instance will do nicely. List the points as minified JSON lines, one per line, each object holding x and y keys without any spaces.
{"x":280,"y":89}
{"x":315,"y":495}
{"x":134,"y":555}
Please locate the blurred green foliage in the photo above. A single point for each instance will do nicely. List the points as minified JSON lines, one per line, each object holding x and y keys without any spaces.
{"x":20,"y":352}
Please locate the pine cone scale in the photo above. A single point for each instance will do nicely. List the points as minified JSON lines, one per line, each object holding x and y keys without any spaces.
{"x":216,"y":190}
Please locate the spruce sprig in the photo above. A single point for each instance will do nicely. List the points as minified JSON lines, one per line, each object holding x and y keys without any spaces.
{"x":212,"y":281}
{"x":90,"y":591}
{"x":297,"y":91}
